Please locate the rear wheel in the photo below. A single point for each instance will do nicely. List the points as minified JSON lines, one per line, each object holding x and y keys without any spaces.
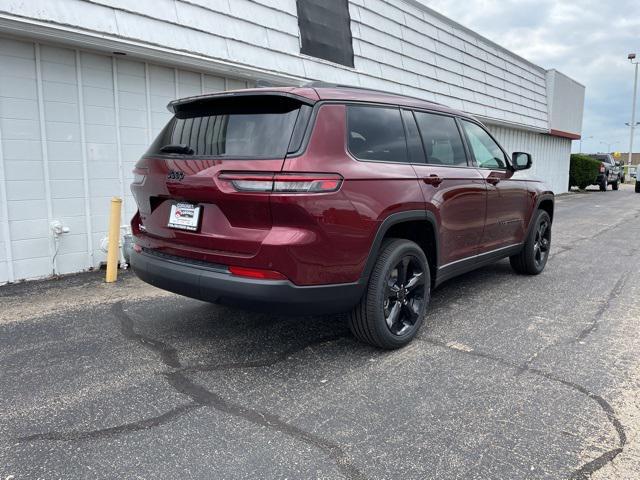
{"x":603,"y":185}
{"x":534,"y":255}
{"x":392,"y":309}
{"x":637,"y":187}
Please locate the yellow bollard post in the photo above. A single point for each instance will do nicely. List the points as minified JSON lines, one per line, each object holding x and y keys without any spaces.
{"x":113,"y":252}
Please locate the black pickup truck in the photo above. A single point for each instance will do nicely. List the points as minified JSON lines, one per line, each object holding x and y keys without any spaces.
{"x":609,"y":172}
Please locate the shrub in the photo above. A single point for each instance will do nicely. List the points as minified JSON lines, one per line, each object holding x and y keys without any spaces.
{"x":583,"y":171}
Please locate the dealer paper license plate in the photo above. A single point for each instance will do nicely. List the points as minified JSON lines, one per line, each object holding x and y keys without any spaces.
{"x":184,"y":216}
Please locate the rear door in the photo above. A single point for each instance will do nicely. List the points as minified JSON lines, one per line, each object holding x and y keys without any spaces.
{"x":453,"y":189}
{"x":506,"y":192}
{"x":181,"y":173}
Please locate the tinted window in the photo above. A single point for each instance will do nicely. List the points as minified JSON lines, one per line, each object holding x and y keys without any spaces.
{"x":441,"y":139}
{"x":485,"y":150}
{"x":242,"y":134}
{"x":376,"y":133}
{"x":414,"y":144}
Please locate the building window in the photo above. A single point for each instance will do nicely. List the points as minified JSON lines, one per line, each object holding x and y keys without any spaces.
{"x":325,"y":30}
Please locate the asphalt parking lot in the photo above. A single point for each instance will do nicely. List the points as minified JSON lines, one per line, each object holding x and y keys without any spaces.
{"x":511,"y":376}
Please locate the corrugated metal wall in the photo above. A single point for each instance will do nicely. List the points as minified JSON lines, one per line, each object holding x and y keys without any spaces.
{"x":551,"y":155}
{"x":399,"y":46}
{"x":72,"y":125}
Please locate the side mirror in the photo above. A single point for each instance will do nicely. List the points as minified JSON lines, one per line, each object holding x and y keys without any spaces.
{"x":521,"y":161}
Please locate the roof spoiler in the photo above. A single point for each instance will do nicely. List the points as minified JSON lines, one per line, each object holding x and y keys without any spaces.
{"x":230,"y":98}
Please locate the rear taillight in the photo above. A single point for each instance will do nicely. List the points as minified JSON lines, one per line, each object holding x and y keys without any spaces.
{"x":257,"y":273}
{"x":282,"y":182}
{"x":139,"y":175}
{"x":255,"y":182}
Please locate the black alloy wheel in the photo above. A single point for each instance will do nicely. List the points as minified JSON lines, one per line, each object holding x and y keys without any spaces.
{"x":542,"y":243}
{"x":405,"y":295}
{"x":533,"y":257}
{"x":394,"y":303}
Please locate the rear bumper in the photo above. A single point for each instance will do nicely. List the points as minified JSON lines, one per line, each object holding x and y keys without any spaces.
{"x":214,"y":283}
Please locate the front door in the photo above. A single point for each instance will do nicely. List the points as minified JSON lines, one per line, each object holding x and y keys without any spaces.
{"x":453,"y":189}
{"x":506,"y":194}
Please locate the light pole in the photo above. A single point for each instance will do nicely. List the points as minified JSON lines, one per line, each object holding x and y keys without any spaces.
{"x":632,"y":59}
{"x":584,"y":138}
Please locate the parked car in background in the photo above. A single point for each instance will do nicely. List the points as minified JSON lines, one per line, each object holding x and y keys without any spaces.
{"x":331,"y":199}
{"x":609,"y":172}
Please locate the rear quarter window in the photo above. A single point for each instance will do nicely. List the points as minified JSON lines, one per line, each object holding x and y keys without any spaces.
{"x":376,"y":133}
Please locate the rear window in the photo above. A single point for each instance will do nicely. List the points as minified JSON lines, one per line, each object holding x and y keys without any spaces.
{"x":376,"y":133}
{"x":231,"y":129}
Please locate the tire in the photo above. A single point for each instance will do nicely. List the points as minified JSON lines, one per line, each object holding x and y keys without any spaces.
{"x":603,"y":185}
{"x":637,"y":187}
{"x":534,"y":255}
{"x":614,"y":185}
{"x":389,"y":314}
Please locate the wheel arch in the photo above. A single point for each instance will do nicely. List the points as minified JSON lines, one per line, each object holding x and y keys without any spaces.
{"x":544,"y":202}
{"x":419,"y":226}
{"x":547,"y":204}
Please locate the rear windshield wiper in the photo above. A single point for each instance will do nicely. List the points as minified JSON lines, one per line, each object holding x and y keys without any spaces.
{"x":177,"y":148}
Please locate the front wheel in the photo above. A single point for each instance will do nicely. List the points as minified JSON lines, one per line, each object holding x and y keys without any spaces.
{"x":614,"y":185}
{"x":534,"y":255}
{"x":393,"y":307}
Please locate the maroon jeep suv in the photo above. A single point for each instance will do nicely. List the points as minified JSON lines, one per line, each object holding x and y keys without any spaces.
{"x":326,"y":199}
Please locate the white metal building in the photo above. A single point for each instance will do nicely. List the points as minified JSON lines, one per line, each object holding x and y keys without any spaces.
{"x":84,"y":86}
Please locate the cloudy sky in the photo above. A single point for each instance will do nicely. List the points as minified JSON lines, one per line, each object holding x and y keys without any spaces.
{"x":586,"y":39}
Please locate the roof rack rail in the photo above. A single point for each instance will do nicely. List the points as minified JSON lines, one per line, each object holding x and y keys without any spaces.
{"x":321,"y":84}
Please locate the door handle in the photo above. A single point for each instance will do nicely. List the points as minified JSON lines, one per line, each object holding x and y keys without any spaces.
{"x":433,"y":180}
{"x":493,"y":180}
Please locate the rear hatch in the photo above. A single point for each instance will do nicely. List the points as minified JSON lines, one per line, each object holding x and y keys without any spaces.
{"x":182,"y":186}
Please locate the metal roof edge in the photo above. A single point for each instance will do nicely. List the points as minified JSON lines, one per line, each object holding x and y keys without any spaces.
{"x":517,"y":126}
{"x":558,"y":72}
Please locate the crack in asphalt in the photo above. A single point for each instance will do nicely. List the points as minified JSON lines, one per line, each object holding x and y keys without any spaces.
{"x":203,"y":397}
{"x":604,"y":306}
{"x":145,"y":424}
{"x":596,"y":319}
{"x":168,"y":354}
{"x":586,"y":470}
{"x":277,"y":358}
